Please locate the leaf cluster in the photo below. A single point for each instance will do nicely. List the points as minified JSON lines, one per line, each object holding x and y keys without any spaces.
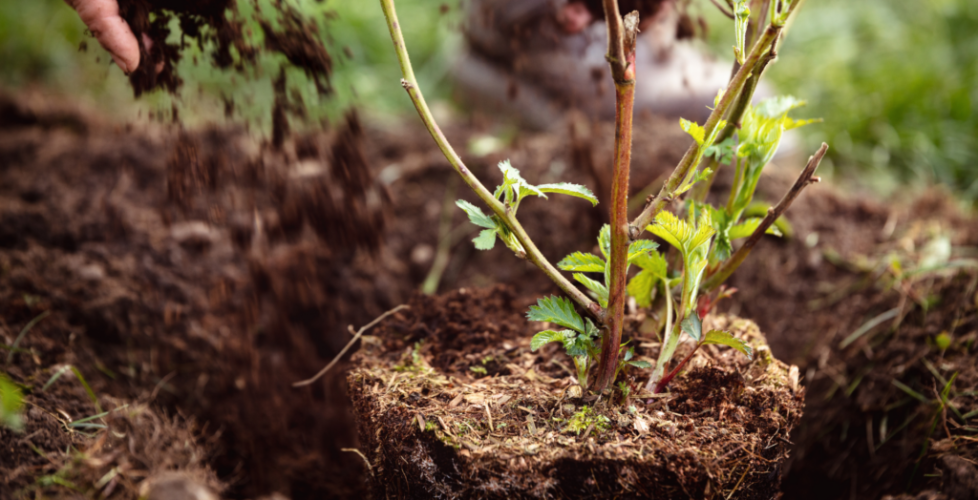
{"x":511,"y":192}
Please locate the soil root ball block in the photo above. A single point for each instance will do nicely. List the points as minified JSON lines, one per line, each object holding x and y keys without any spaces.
{"x":444,"y":411}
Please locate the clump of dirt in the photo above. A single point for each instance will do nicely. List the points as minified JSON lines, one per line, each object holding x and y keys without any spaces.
{"x":167,"y":274}
{"x":849,"y":262}
{"x":459,"y":432}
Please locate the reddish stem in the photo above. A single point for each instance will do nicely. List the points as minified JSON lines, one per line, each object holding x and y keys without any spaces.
{"x":624,"y":76}
{"x":668,"y":378}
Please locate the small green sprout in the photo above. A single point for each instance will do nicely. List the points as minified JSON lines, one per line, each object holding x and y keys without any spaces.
{"x":584,"y":419}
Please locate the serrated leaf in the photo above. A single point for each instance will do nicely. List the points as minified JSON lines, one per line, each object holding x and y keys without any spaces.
{"x":776,"y":107}
{"x":644,"y":365}
{"x":583,"y":263}
{"x":673,"y":230}
{"x":527,"y":189}
{"x":476,"y":216}
{"x":653,"y":262}
{"x":721,"y":337}
{"x":547,"y":336}
{"x":599,"y":289}
{"x":556,"y":310}
{"x":514,"y":181}
{"x":693,"y":326}
{"x":694,"y":129}
{"x":604,"y":240}
{"x":704,"y":231}
{"x":789,"y":123}
{"x":641,"y":286}
{"x":640,"y":248}
{"x":569,"y":189}
{"x":590,"y":330}
{"x":486,"y":239}
{"x":722,"y":152}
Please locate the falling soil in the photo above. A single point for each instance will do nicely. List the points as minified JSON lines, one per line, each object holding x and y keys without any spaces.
{"x":432,"y":426}
{"x":218,"y":24}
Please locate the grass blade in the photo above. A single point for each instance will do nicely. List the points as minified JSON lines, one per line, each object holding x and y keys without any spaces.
{"x":914,"y":394}
{"x":61,"y":371}
{"x":869,"y":325}
{"x":88,"y":389}
{"x":23,"y":332}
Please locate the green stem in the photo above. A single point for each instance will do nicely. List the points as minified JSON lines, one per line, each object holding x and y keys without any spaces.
{"x":533,"y":254}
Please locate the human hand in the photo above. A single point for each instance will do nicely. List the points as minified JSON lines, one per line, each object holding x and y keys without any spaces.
{"x":102,"y":18}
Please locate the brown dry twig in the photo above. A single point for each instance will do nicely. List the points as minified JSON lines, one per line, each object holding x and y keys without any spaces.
{"x":349,"y":344}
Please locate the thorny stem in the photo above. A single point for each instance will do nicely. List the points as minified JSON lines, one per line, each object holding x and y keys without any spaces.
{"x":621,"y":58}
{"x":731,"y":265}
{"x":733,"y":90}
{"x":533,"y":254}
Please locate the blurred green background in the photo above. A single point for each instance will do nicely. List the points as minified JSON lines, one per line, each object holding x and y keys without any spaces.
{"x":895,"y":80}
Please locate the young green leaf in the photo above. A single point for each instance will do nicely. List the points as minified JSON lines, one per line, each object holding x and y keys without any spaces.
{"x":556,"y":310}
{"x":629,"y":353}
{"x":725,"y":338}
{"x":694,"y":129}
{"x":640,"y":248}
{"x":514,"y":186}
{"x":675,"y":231}
{"x":693,"y":326}
{"x":486,"y":239}
{"x":583,"y":263}
{"x":641,"y":286}
{"x":476,"y":216}
{"x":704,"y":231}
{"x":722,"y":152}
{"x":590,"y":330}
{"x":547,"y":336}
{"x":604,"y":240}
{"x":599,"y":289}
{"x":567,"y":188}
{"x":653,"y":262}
{"x":644,"y":365}
{"x":777,"y":107}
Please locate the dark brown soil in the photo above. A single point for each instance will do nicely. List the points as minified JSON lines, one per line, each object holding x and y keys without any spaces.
{"x":432,"y":427}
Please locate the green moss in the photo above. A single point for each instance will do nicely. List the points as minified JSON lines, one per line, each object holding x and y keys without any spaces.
{"x":584,"y":418}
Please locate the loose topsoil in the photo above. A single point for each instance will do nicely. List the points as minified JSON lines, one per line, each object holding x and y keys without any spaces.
{"x":197,"y":273}
{"x":451,"y":403}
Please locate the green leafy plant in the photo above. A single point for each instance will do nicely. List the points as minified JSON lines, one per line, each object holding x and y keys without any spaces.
{"x":737,"y":133}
